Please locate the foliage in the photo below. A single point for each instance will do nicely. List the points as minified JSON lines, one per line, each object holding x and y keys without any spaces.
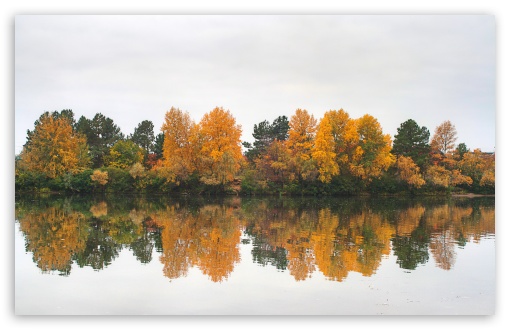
{"x":101,"y":134}
{"x":124,"y":154}
{"x":412,"y":141}
{"x":180,"y":147}
{"x":158,"y":145}
{"x":264,"y":134}
{"x":372,"y":155}
{"x":300,"y":143}
{"x":53,"y":147}
{"x":144,"y":136}
{"x":220,"y":156}
{"x":409,"y":172}
{"x":100,"y":177}
{"x":336,"y":155}
{"x":444,"y":138}
{"x":119,"y":181}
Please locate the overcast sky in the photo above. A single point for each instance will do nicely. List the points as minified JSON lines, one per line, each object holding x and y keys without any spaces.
{"x":430,"y":68}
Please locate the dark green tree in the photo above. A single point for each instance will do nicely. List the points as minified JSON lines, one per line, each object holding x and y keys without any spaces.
{"x":144,"y":136}
{"x":461,"y":150}
{"x":264,"y":134}
{"x":412,"y":141}
{"x":158,"y":145}
{"x":101,"y":133}
{"x":280,"y":128}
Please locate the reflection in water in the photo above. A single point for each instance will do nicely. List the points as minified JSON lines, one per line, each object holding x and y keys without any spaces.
{"x":301,"y":236}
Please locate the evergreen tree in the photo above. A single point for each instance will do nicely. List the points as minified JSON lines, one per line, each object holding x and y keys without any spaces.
{"x":144,"y":136}
{"x":412,"y":141}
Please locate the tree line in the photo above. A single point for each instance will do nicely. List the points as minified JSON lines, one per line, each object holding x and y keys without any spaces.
{"x":332,"y":155}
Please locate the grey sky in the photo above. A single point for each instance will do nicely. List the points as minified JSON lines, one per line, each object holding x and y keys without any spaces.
{"x":429,"y":68}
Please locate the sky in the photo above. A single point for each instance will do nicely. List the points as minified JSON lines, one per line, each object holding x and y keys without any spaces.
{"x":130,"y":68}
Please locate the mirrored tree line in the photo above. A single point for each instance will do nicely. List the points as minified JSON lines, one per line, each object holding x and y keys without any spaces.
{"x":301,"y":237}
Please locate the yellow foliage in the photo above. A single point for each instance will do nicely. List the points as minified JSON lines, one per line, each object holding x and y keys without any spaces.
{"x":220,"y":155}
{"x":54,"y":148}
{"x":180,"y":145}
{"x":409,"y":172}
{"x":302,"y":127}
{"x":324,"y":151}
{"x":100,"y":177}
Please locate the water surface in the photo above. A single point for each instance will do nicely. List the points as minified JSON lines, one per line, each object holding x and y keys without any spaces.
{"x":254,"y":256}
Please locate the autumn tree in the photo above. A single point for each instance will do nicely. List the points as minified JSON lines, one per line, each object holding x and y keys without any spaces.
{"x":220,"y":155}
{"x":324,"y":151}
{"x":409,"y":172}
{"x":335,"y":142}
{"x":372,"y":155}
{"x":302,"y":127}
{"x":180,"y":146}
{"x":442,"y":177}
{"x":273,"y":165}
{"x":100,"y":178}
{"x":412,"y":141}
{"x":53,"y":148}
{"x":124,"y":154}
{"x":478,"y":165}
{"x":444,"y":138}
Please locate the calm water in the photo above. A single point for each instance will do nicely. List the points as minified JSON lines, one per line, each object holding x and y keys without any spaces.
{"x":252,"y":256}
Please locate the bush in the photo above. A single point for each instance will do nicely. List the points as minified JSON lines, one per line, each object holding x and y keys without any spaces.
{"x":119,"y":180}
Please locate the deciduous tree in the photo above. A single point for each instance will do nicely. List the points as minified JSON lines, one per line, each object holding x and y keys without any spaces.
{"x":324,"y":151}
{"x":300,"y":143}
{"x":124,"y":154}
{"x":220,"y":147}
{"x":444,"y":138}
{"x":409,"y":172}
{"x":372,"y":155}
{"x":54,"y":148}
{"x":180,"y":146}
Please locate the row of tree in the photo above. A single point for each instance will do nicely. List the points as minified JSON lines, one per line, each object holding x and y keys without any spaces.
{"x":334,"y":155}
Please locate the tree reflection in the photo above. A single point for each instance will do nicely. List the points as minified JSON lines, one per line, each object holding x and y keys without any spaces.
{"x":208,"y":238}
{"x":54,"y":235}
{"x":333,"y":237}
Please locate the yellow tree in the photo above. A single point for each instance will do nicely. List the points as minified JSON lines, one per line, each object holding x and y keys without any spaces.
{"x":300,"y":143}
{"x":409,"y":172}
{"x":180,"y":145}
{"x":324,"y":151}
{"x":100,"y":177}
{"x":478,"y":166}
{"x":335,"y":141}
{"x":54,"y":148}
{"x":220,"y":155}
{"x":372,"y":155}
{"x":445,"y":178}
